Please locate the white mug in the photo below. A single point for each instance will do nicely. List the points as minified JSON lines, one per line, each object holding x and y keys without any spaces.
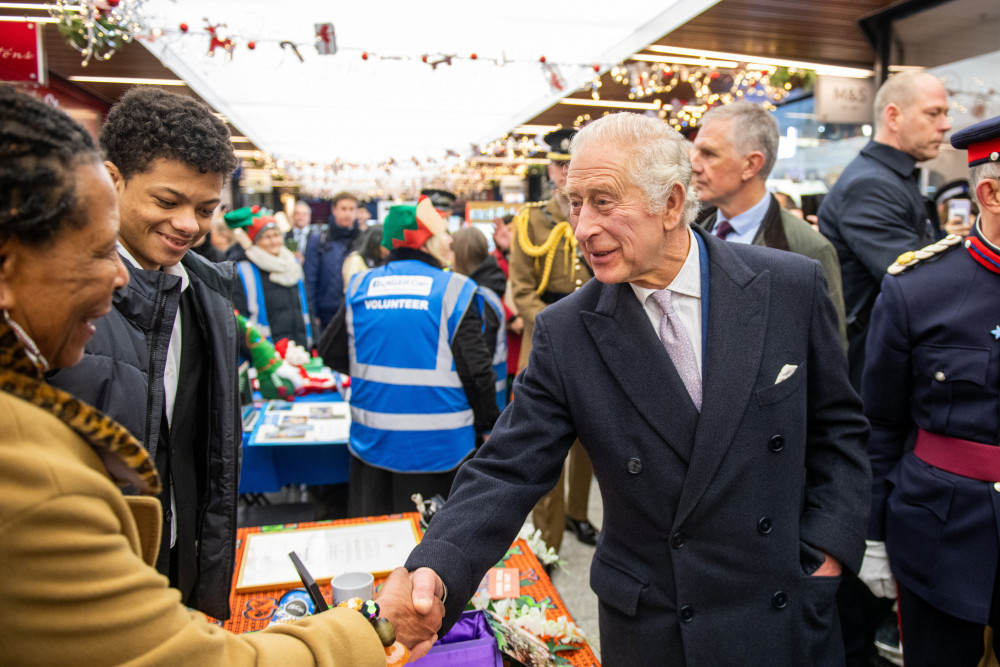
{"x":353,"y":585}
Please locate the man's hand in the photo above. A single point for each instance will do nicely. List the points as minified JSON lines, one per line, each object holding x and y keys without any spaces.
{"x":875,"y":572}
{"x":958,"y":226}
{"x":412,"y":602}
{"x":830,"y":568}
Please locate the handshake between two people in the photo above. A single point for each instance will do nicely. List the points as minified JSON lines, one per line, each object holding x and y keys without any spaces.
{"x":414,"y":603}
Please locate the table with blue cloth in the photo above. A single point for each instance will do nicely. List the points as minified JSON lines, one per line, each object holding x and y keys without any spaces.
{"x":269,"y":467}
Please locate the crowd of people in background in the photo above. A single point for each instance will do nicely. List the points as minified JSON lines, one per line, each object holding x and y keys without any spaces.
{"x":662,"y":322}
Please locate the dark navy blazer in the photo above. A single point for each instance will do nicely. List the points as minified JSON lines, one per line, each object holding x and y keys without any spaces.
{"x":712,"y":522}
{"x":934,"y":363}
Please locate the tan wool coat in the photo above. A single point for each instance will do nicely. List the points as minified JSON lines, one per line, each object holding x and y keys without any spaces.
{"x":76,"y":583}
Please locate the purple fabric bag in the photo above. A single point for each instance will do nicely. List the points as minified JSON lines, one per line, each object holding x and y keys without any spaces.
{"x":469,"y":642}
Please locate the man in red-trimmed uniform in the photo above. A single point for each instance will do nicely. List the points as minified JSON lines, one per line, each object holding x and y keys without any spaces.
{"x":931,"y":390}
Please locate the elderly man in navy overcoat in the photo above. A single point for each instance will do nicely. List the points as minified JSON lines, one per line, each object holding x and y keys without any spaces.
{"x":932,"y":393}
{"x":708,"y":384}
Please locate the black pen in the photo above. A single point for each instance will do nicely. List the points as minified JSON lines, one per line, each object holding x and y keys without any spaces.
{"x":311,"y":586}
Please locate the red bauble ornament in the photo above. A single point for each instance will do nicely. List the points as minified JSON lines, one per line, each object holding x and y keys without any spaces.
{"x":542,"y":59}
{"x":364,"y":55}
{"x":423,"y":58}
{"x":113,"y":3}
{"x":473,"y":56}
{"x":597,"y":68}
{"x":183,"y":27}
{"x":251,"y":45}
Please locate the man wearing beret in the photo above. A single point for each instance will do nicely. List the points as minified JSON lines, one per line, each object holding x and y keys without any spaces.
{"x":933,"y":375}
{"x":545,"y":267}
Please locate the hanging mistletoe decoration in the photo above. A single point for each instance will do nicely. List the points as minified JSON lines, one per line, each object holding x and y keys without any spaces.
{"x":97,"y":28}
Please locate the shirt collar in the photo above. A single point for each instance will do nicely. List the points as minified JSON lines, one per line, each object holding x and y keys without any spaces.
{"x":175,"y":270}
{"x":977,"y":230}
{"x":688,"y":279}
{"x":900,"y":162}
{"x":749,"y":219}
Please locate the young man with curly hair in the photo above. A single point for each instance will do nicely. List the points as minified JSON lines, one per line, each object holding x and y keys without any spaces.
{"x":163,"y":362}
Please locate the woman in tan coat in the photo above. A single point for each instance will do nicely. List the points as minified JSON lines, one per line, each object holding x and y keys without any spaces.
{"x":76,"y":584}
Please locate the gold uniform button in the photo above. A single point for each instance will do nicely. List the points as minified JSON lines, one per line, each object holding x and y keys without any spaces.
{"x":906,"y":257}
{"x":939,"y":376}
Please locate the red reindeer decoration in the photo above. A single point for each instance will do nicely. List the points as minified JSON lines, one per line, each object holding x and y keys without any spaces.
{"x":226,"y":44}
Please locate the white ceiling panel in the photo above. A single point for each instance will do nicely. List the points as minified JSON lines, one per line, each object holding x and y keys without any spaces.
{"x":393,"y":105}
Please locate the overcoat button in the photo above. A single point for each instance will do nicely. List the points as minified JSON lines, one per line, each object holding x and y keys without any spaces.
{"x":634,"y":466}
{"x":776,"y":443}
{"x":677,"y":540}
{"x":764,"y":525}
{"x":686,"y":613}
{"x":779,"y":600}
{"x":939,"y":376}
{"x":996,"y":487}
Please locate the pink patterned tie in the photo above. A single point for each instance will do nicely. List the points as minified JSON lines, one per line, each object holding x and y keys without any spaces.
{"x":678,"y":344}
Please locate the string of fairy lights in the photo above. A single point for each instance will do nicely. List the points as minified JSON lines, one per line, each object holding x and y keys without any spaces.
{"x":680,"y":94}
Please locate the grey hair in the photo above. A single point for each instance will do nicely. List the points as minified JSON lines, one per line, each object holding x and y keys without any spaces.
{"x":752,"y":129}
{"x":899,"y":89}
{"x":981,"y":171}
{"x":657,"y":157}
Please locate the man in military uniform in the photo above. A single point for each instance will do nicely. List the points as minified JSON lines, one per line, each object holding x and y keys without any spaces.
{"x":931,"y":389}
{"x":544,"y":267}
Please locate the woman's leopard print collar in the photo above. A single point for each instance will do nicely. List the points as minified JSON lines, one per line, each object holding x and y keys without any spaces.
{"x":126,"y":460}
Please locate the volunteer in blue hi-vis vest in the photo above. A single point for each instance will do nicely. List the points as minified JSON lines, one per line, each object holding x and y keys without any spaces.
{"x":422,"y":381}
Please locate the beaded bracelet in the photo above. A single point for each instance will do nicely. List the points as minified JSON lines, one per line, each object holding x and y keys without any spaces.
{"x":370,"y":610}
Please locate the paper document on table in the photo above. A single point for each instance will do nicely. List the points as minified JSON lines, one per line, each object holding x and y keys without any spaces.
{"x":297,"y":423}
{"x":377,"y":547}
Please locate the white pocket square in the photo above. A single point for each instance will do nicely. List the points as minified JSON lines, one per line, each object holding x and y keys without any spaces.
{"x":786,"y":372}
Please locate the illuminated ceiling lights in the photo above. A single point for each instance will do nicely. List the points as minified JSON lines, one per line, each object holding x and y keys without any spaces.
{"x":830,"y":70}
{"x":128,"y":80}
{"x":614,"y":104}
{"x":677,"y":60}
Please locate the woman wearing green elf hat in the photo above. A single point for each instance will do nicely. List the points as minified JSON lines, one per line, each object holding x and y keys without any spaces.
{"x":273,"y":297}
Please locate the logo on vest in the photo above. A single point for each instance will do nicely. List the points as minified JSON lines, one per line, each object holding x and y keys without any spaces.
{"x":398,"y":285}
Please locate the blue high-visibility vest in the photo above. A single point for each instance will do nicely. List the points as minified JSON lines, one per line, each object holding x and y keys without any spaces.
{"x":487,"y":298}
{"x":409,"y":410}
{"x":252,"y":287}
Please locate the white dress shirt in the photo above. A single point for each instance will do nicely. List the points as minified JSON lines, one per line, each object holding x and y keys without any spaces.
{"x":686,"y":288}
